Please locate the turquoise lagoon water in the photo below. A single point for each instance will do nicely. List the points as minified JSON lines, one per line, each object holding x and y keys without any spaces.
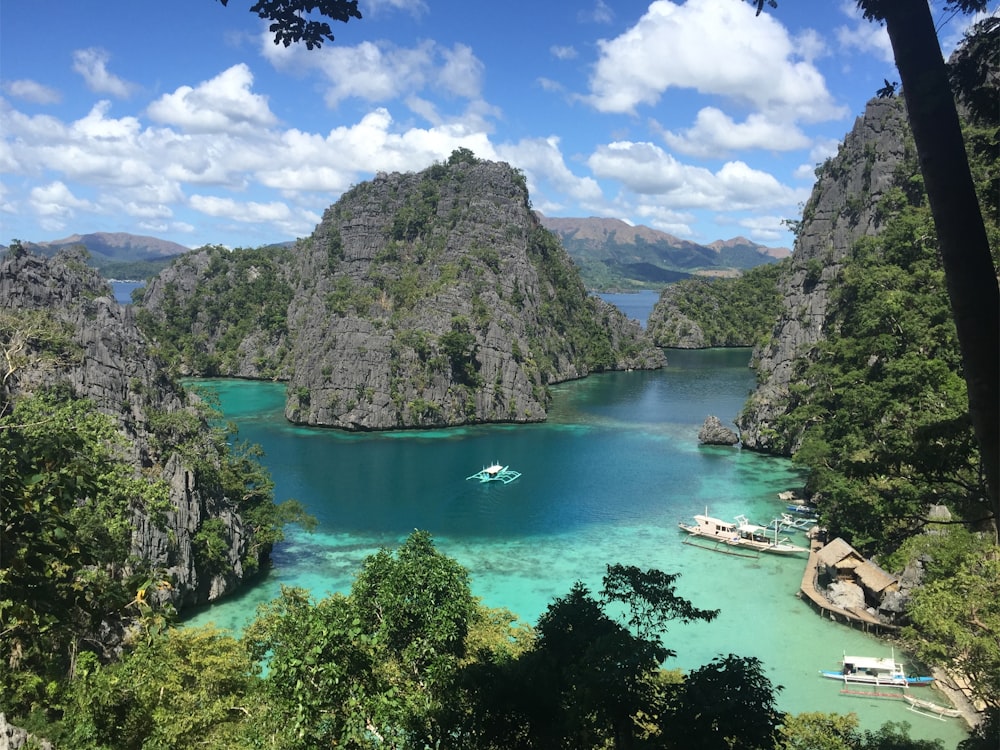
{"x":605,"y":480}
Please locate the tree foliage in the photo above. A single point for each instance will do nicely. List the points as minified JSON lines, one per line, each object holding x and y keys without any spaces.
{"x":290,"y":22}
{"x":409,"y":659}
{"x":728,"y":312}
{"x":970,"y":268}
{"x":881,"y":404}
{"x":955,"y":621}
{"x":67,"y":491}
{"x":243,"y":291}
{"x":190,"y":687}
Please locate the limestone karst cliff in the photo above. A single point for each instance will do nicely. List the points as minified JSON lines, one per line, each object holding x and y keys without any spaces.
{"x":843,"y":208}
{"x":105,"y":359}
{"x":421,"y":299}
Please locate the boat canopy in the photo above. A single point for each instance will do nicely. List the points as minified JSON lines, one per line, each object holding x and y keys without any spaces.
{"x":872,"y":663}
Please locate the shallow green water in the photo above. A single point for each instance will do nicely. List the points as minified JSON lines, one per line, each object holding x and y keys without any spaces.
{"x":605,"y":480}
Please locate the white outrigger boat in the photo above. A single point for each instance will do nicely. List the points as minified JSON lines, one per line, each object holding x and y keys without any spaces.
{"x":931,"y":708}
{"x":877,"y":671}
{"x":741,"y":534}
{"x":789,"y":523}
{"x":496,"y":473}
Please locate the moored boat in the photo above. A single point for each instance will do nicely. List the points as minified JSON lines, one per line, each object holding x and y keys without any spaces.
{"x":741,"y":534}
{"x":874,"y":670}
{"x":930,"y":708}
{"x":789,"y":523}
{"x":496,"y":473}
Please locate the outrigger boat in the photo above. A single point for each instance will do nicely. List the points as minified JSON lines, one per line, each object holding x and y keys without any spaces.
{"x":496,"y":473}
{"x":741,"y":534}
{"x":877,"y":671}
{"x":788,"y":523}
{"x":930,"y":708}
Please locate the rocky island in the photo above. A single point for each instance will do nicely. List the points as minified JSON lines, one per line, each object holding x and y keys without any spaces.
{"x":420,"y":300}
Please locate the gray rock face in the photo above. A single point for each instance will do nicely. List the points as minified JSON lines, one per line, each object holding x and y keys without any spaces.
{"x":670,"y":326}
{"x":847,"y":595}
{"x":108,"y":362}
{"x":841,"y":210}
{"x":713,"y":432}
{"x":429,"y":299}
{"x":15,"y":738}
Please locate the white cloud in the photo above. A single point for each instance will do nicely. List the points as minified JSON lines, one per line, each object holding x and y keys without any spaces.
{"x":219,"y":105}
{"x":462,"y":72}
{"x":543,"y":164}
{"x":863,"y":36}
{"x":248,"y":211}
{"x":646,"y":169}
{"x":414,"y":7}
{"x":92,"y":64}
{"x":547,"y":84}
{"x":95,"y":126}
{"x":561,"y":52}
{"x":55,"y":205}
{"x":715,"y":47}
{"x":657,"y":216}
{"x":381,"y":72}
{"x":715,"y":133}
{"x":764,"y":229}
{"x":600,"y":12}
{"x":32,"y":91}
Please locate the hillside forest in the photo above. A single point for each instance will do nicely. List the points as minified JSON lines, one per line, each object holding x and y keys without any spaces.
{"x":90,"y":657}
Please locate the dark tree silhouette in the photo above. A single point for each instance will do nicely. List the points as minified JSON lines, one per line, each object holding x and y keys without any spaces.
{"x":965,"y":252}
{"x":290,"y":24}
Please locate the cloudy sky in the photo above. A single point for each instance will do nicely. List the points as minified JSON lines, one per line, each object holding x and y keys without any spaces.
{"x":184,"y":121}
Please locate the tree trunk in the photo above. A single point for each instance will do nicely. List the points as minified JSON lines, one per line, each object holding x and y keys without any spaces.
{"x":965,"y":251}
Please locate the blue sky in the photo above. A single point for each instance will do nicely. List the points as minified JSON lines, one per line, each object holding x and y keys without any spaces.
{"x":184,"y":121}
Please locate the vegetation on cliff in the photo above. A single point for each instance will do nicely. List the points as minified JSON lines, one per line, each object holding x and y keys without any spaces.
{"x":240,"y":294}
{"x":119,"y":502}
{"x":876,"y":403}
{"x":708,"y":312}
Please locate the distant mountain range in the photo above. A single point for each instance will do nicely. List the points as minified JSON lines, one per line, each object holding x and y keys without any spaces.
{"x":611,"y":254}
{"x":117,"y":255}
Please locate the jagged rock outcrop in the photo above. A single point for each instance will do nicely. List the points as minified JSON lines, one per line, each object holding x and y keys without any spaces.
{"x":425,"y":299}
{"x":842,"y":209}
{"x":15,"y":738}
{"x":232,"y":308}
{"x":670,"y":326}
{"x":105,"y":359}
{"x":713,"y":432}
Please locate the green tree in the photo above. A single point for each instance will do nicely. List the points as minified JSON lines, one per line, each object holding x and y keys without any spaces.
{"x":376,"y":666}
{"x":589,"y":681}
{"x":970,"y":272}
{"x":67,"y":491}
{"x":956,"y":623}
{"x":818,"y":731}
{"x":459,"y":345}
{"x":191,"y":687}
{"x":290,"y":22}
{"x":881,"y":405}
{"x":728,"y":704}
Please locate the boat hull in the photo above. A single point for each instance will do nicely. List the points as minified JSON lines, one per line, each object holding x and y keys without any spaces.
{"x":882,"y":680}
{"x":741,"y":534}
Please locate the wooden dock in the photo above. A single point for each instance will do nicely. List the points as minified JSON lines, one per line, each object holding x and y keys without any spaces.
{"x":864,"y":620}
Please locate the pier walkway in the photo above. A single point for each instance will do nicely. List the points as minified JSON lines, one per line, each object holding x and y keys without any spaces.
{"x":863,"y":619}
